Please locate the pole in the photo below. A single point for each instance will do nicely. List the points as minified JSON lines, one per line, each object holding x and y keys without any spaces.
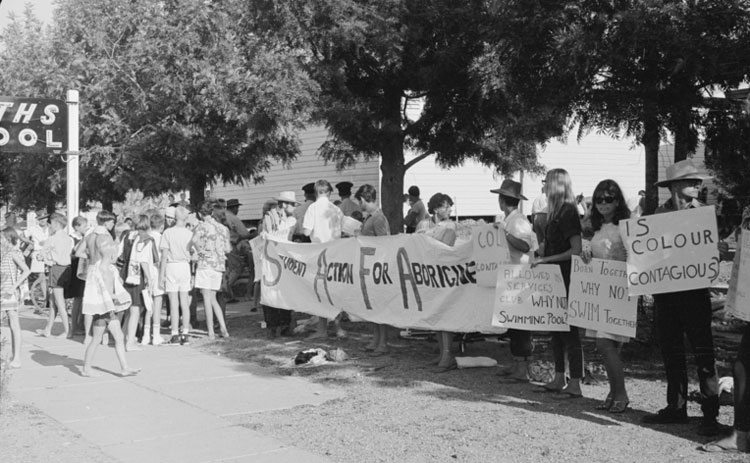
{"x":72,"y":157}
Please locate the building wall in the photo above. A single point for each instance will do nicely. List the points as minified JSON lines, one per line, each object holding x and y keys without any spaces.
{"x":305,"y":169}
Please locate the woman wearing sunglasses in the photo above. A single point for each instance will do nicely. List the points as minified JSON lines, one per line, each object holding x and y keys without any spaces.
{"x":609,"y":207}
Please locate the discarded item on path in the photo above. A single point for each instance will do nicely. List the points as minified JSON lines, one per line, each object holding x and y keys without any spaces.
{"x":338,"y":355}
{"x":316,"y":357}
{"x":475,"y":362}
{"x":541,"y":371}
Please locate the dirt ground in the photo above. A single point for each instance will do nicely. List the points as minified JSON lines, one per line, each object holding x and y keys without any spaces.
{"x":397,"y":408}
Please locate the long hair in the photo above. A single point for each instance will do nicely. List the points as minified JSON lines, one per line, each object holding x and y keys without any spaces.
{"x":611,"y":188}
{"x":559,"y":192}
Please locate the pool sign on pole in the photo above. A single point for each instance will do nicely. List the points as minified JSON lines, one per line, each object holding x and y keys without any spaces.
{"x":43,"y":125}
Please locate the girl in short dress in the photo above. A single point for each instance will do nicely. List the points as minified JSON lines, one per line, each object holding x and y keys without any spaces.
{"x":608,"y":209}
{"x":13,"y":273}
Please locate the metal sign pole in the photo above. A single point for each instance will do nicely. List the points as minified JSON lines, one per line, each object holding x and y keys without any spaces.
{"x":72,"y":157}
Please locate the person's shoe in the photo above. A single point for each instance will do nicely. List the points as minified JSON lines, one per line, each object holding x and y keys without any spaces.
{"x":668,"y":415}
{"x":157,"y":340}
{"x":174,"y":340}
{"x":709,"y":427}
{"x":184,"y":340}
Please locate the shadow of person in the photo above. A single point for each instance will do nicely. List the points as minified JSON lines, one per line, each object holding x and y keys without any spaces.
{"x":49,"y":359}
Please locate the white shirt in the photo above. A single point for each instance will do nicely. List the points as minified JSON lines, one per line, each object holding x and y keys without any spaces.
{"x":324,"y":219}
{"x":517,"y":225}
{"x":539,"y":205}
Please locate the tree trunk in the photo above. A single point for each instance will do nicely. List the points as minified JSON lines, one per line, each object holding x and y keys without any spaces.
{"x":681,"y":129}
{"x":651,"y":144}
{"x":392,"y":166}
{"x":197,"y":192}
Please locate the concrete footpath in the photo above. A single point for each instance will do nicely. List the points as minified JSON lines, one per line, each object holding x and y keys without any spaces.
{"x":175,"y":410}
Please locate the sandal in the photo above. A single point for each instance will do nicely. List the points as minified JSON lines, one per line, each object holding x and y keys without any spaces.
{"x":606,"y":405}
{"x":619,"y":406}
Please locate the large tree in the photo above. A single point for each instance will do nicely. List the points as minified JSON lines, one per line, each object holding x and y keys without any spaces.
{"x":658,"y":62}
{"x":372,"y":57}
{"x":175,"y":94}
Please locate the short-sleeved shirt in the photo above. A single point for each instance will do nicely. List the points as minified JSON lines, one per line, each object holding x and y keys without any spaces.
{"x":539,"y":205}
{"x":211,"y":240}
{"x":416,"y":214}
{"x":59,"y":248}
{"x":323,"y":218}
{"x":237,"y":229}
{"x":376,"y":225}
{"x":175,"y":242}
{"x":517,"y":225}
{"x":348,"y":206}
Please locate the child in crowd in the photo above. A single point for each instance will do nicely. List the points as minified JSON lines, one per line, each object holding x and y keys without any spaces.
{"x":104,"y":296}
{"x":76,"y":285}
{"x":157,"y":291}
{"x":138,"y":252}
{"x":174,"y":273}
{"x":56,"y":254}
{"x":13,"y":273}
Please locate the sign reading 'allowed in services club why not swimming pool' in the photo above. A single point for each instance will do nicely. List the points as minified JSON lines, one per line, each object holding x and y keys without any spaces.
{"x":531,"y":299}
{"x":676,"y":251}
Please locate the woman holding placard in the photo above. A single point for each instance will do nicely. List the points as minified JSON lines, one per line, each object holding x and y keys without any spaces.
{"x":609,"y":208}
{"x":440,"y":227}
{"x":562,"y":241}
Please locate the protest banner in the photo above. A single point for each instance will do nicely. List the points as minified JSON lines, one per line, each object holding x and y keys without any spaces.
{"x":738,"y":296}
{"x":531,"y":299}
{"x":670,"y":252}
{"x":406,"y":281}
{"x":490,"y":251}
{"x":598,"y":297}
{"x":256,"y":246}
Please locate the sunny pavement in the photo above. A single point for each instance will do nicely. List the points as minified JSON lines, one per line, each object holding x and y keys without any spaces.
{"x":173,"y":411}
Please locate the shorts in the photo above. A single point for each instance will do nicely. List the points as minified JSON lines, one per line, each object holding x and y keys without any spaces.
{"x":59,"y":276}
{"x":100,"y":319}
{"x":208,"y":278}
{"x":178,"y":277}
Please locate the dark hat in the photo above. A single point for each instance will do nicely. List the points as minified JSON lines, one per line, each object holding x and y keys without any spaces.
{"x":344,"y":187}
{"x":309,"y":188}
{"x":510,"y":189}
{"x":234,"y":202}
{"x":681,"y":170}
{"x":414,"y":191}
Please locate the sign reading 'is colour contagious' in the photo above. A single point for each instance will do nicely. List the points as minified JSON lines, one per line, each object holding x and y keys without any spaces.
{"x":33,"y":125}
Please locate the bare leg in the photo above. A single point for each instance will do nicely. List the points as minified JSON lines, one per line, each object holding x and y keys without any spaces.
{"x":15,"y":333}
{"x":174,"y":312}
{"x":156,"y":316}
{"x":134,"y":314}
{"x":58,"y":297}
{"x":116,"y":332}
{"x":219,"y":314}
{"x":185,"y":305}
{"x":613,"y":364}
{"x":446,"y":357}
{"x":87,"y":327}
{"x":98,"y":332}
{"x":208,"y":309}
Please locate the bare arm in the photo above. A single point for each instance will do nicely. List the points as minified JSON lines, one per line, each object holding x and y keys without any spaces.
{"x":575,"y":250}
{"x":21,"y":263}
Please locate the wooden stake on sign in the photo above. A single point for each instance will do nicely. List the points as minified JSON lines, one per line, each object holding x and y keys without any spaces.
{"x":72,"y":157}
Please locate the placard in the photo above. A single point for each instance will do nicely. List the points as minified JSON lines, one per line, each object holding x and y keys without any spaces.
{"x":598,"y":297}
{"x":738,"y":296}
{"x":531,"y":299}
{"x":675,"y":251}
{"x":490,"y":252}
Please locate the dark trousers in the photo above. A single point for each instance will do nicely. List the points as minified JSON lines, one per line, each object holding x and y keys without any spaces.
{"x":520,"y":343}
{"x":277,"y":318}
{"x":569,"y":341}
{"x":677,"y":315}
{"x":741,"y":389}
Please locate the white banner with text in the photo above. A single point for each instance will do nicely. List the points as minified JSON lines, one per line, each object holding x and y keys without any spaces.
{"x":738,"y":296}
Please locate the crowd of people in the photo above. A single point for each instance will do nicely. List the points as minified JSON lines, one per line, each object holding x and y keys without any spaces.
{"x":118,"y":280}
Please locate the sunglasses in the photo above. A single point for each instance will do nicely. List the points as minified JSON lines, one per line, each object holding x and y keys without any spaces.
{"x":605,"y":199}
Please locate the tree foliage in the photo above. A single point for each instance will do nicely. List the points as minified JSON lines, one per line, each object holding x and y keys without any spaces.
{"x":175,"y":94}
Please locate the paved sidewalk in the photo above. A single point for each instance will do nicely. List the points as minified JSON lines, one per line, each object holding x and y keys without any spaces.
{"x":173,"y":411}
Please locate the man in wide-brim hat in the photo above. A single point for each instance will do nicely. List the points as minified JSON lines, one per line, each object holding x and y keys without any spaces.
{"x":521,"y":246}
{"x":686,"y":313}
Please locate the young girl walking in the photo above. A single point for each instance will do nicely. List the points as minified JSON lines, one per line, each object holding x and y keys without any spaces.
{"x":103,"y":297}
{"x":13,"y":273}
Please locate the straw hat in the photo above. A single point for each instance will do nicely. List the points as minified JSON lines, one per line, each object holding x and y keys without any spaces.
{"x":682,"y":170}
{"x":287,"y":197}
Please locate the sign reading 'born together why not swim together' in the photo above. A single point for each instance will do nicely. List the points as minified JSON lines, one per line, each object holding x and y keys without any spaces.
{"x":670,"y":252}
{"x":33,"y":125}
{"x":598,"y":297}
{"x":532,"y":299}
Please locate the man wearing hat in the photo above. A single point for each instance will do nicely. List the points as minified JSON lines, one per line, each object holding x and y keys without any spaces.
{"x":298,"y":236}
{"x":521,"y":246}
{"x":686,"y":313}
{"x":417,"y":211}
{"x":347,"y":206}
{"x":240,"y":254}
